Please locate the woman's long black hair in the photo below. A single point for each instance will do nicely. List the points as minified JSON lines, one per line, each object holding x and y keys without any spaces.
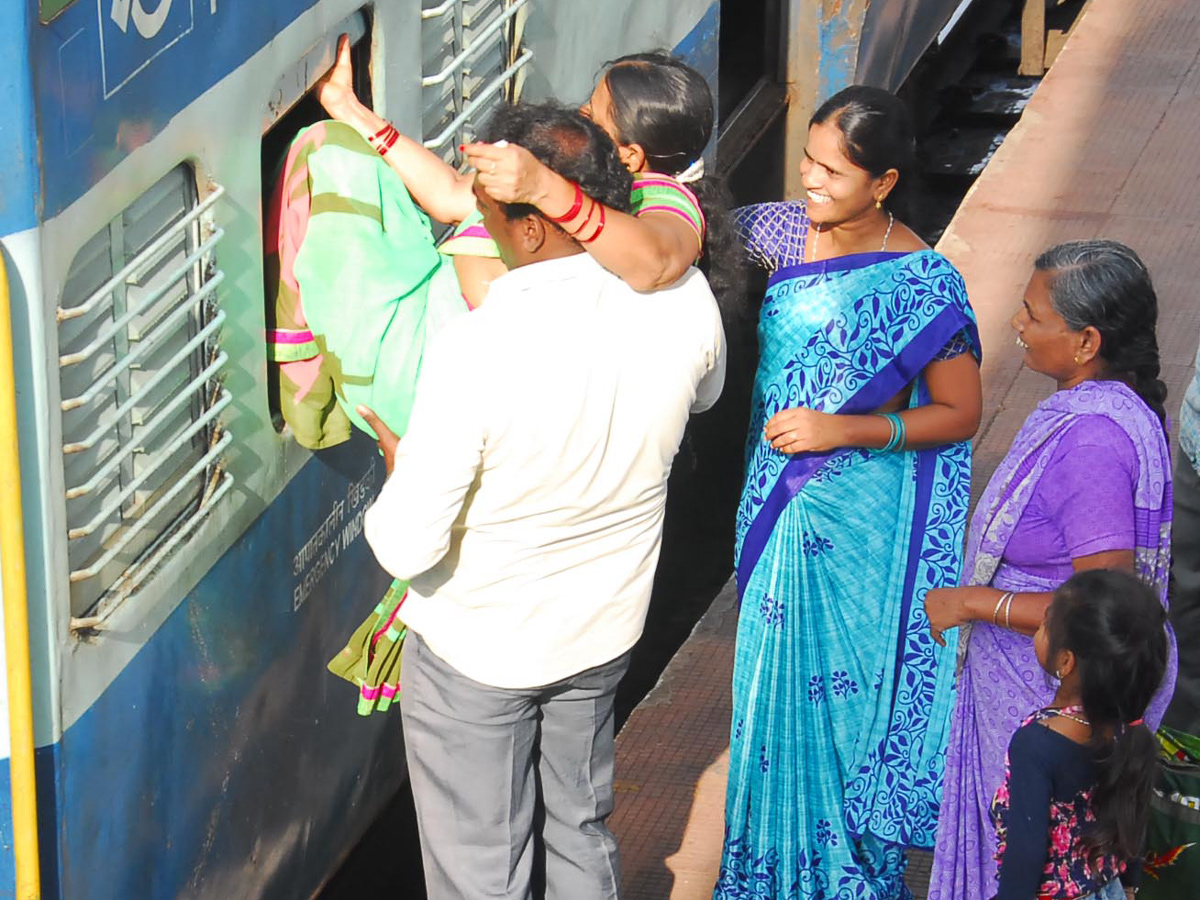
{"x":1114,"y":624}
{"x":666,"y":106}
{"x":1106,"y":285}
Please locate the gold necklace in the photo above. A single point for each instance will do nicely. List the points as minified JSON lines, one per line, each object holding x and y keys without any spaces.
{"x":817,"y":237}
{"x":1076,"y":719}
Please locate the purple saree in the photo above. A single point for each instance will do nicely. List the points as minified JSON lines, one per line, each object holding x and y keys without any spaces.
{"x":1000,"y":681}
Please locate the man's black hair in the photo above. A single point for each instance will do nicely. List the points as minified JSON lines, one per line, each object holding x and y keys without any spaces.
{"x":568,"y":143}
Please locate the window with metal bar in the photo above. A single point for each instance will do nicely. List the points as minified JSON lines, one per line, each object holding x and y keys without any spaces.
{"x":139,"y":369}
{"x":472,"y":57}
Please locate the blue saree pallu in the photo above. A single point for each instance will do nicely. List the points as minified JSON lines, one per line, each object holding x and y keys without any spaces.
{"x":841,"y":699}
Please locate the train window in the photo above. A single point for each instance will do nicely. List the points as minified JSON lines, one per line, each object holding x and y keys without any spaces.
{"x":295,"y":107}
{"x":141,"y":392}
{"x":471,"y":61}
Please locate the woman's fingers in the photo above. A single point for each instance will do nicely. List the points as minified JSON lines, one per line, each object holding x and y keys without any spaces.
{"x":788,"y":442}
{"x":779,"y":424}
{"x":939,"y":609}
{"x":785,"y":431}
{"x":337,"y":85}
{"x":507,"y":173}
{"x":344,"y":62}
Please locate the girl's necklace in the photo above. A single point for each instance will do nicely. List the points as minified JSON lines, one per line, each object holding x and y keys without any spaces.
{"x":1084,"y":722}
{"x":817,"y":237}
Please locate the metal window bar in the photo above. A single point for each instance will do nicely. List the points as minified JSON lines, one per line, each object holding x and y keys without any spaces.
{"x":481,"y":70}
{"x":206,"y":460}
{"x":133,"y":577}
{"x":436,"y":12}
{"x":160,"y":243}
{"x":448,"y":132}
{"x":115,"y":504}
{"x":152,"y":422}
{"x":124,"y":409}
{"x":163,"y":329}
{"x":110,"y":331}
{"x":478,"y":42}
{"x":164,"y":415}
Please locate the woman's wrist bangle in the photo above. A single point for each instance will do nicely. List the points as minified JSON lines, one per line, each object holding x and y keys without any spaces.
{"x":573,"y":211}
{"x":898,"y":436}
{"x":383,"y":140}
{"x":996,"y":611}
{"x":599,"y":228}
{"x":583,"y":224}
{"x":1008,"y":610}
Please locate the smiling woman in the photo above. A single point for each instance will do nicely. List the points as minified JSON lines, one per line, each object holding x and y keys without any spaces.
{"x":866,"y":394}
{"x":1069,"y":356}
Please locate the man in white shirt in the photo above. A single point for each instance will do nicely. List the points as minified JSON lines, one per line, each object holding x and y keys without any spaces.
{"x":526,"y":509}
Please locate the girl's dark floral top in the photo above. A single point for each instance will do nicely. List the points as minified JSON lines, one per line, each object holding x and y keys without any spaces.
{"x":1041,"y":813}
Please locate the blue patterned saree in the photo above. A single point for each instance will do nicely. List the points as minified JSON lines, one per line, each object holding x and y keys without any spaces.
{"x":841,"y":700}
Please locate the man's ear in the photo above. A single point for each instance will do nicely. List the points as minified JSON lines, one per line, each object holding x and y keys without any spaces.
{"x":532,"y":232}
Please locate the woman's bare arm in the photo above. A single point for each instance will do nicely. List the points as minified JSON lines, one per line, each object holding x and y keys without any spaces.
{"x":952,"y":414}
{"x":646,"y":252}
{"x":437,"y":187}
{"x":951,"y":607}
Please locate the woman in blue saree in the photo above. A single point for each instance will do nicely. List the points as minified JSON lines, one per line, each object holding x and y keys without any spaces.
{"x":854,"y":506}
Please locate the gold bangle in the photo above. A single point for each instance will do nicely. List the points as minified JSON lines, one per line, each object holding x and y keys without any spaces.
{"x":1008,"y":610}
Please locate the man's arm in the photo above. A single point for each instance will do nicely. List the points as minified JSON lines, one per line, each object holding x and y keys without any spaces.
{"x":408,"y":526}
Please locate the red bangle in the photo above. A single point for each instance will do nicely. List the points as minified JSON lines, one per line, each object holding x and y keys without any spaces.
{"x":573,"y":211}
{"x":599,"y":228}
{"x":384,"y":139}
{"x":587,"y":218}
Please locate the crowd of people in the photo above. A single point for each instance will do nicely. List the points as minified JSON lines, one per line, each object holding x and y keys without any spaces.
{"x":529,"y":380}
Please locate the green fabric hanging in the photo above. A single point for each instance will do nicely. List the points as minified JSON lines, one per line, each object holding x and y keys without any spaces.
{"x":371,"y":660}
{"x":369,"y":271}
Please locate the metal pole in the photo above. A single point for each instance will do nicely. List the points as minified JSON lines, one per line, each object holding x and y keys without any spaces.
{"x":16,"y":620}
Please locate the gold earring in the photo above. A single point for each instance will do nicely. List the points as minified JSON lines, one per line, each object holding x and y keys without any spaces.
{"x":878,"y":203}
{"x":1078,"y":361}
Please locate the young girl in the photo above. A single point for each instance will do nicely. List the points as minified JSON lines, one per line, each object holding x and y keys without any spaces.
{"x":1071,"y":814}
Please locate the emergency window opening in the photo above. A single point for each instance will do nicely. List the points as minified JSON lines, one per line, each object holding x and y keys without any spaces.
{"x":275,"y":144}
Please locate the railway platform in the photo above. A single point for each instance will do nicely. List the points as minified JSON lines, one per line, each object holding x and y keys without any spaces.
{"x":1105,"y":148}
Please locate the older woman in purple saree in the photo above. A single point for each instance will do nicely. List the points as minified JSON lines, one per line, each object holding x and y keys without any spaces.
{"x":1086,"y":484}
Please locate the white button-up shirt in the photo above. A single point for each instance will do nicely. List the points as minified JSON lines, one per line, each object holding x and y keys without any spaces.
{"x":526,"y":503}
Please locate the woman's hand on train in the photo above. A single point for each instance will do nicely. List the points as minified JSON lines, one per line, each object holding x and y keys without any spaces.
{"x":387,"y":439}
{"x":949,"y":608}
{"x":803,"y":430}
{"x":335,"y":90}
{"x":509,"y":173}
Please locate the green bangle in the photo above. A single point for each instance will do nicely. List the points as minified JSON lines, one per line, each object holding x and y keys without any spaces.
{"x":898,"y":437}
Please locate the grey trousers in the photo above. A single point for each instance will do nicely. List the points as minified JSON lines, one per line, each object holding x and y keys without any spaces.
{"x":501,"y":776}
{"x":1184,"y":711}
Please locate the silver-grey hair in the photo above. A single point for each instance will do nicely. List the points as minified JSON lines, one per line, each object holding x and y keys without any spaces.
{"x":1105,"y":285}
